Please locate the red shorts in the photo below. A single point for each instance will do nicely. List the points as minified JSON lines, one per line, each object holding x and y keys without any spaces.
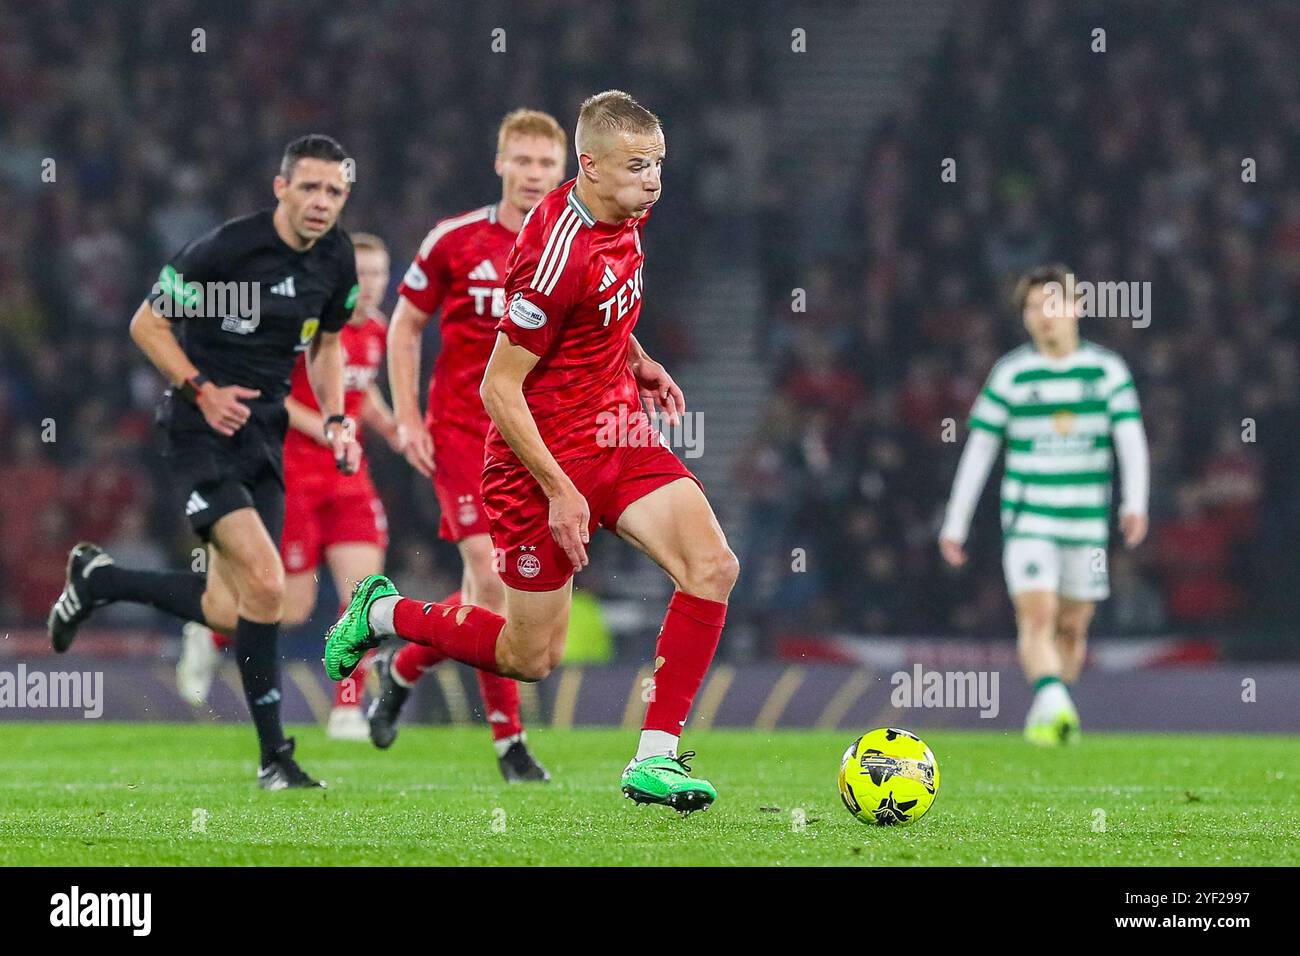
{"x":323,"y":508}
{"x":520,"y":513}
{"x":457,"y":481}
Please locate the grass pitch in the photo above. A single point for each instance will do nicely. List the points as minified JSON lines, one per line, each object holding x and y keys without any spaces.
{"x":97,"y":794}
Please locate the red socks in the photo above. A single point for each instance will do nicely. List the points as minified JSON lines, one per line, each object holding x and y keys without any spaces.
{"x":500,"y":694}
{"x":683,"y":653}
{"x":410,"y":663}
{"x":464,"y":633}
{"x":413,"y":660}
{"x":501,"y":704}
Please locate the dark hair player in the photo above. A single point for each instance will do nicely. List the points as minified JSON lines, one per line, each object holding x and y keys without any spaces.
{"x":292,"y":273}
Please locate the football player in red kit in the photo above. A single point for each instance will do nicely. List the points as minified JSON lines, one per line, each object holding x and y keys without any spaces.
{"x":461,"y":270}
{"x":571,"y":449}
{"x":328,"y":515}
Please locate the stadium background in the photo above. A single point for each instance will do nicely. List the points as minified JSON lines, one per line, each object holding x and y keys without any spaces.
{"x":808,"y":177}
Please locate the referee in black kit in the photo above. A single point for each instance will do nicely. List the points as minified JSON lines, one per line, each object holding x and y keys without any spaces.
{"x":224,"y":325}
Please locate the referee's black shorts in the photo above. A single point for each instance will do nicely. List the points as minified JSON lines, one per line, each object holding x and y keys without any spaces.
{"x":219,"y":474}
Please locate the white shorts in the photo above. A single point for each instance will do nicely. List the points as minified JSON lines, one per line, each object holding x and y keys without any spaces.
{"x":1077,"y":572}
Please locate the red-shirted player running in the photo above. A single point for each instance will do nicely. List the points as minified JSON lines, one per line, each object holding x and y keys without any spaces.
{"x":570,"y":450}
{"x":328,"y":515}
{"x":461,"y":269}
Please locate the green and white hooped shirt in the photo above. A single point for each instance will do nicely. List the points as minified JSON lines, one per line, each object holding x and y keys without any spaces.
{"x":1057,"y":417}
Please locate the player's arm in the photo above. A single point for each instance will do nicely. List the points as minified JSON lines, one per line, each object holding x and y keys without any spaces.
{"x":1130,"y":440}
{"x":376,"y":415}
{"x":325,"y":373}
{"x":222,"y":407}
{"x":419,"y":296}
{"x":988,"y":422}
{"x":655,"y":383}
{"x":502,"y":392}
{"x":306,"y":420}
{"x":405,"y":331}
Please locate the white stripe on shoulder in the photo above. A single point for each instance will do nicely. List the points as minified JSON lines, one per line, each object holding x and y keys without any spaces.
{"x":556,"y":253}
{"x":449,"y":225}
{"x":564,"y":258}
{"x":545,"y":257}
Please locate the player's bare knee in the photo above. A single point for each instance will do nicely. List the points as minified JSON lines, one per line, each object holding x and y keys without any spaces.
{"x":533,"y":668}
{"x":712,"y":574}
{"x":264,"y":595}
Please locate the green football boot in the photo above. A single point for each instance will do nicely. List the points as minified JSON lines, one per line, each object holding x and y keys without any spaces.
{"x":668,"y":781}
{"x":348,"y":639}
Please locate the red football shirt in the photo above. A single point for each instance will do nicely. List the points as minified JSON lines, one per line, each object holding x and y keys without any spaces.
{"x":461,"y":266}
{"x":574,"y":295}
{"x":363,"y":350}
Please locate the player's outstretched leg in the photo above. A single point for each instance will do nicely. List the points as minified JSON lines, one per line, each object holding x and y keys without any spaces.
{"x":93,"y":580}
{"x":463,"y":632}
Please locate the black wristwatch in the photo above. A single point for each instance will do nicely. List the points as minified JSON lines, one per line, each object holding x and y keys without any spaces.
{"x":333,"y":420}
{"x":190,"y":388}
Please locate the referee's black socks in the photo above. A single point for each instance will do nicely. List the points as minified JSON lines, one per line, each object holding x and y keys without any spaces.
{"x":257,"y":646}
{"x":177,"y":592}
{"x":257,"y":651}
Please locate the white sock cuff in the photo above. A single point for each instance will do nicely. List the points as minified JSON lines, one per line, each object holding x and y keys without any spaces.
{"x":505,"y":743}
{"x":381,"y":615}
{"x":398,"y":679}
{"x":657,"y":743}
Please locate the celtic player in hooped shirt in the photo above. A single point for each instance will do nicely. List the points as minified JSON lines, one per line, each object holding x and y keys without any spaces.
{"x":565,"y":361}
{"x":1061,"y":405}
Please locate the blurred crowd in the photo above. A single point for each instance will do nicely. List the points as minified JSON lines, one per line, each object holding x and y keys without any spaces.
{"x":1127,"y":165}
{"x":126,"y":130}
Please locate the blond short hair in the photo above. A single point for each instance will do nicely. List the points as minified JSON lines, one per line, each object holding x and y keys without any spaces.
{"x":368,"y":240}
{"x":612,"y":111}
{"x":530,"y":123}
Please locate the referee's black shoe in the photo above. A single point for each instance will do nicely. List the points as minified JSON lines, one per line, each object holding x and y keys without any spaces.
{"x":77,"y":600}
{"x":282,"y":772}
{"x":385,"y":708}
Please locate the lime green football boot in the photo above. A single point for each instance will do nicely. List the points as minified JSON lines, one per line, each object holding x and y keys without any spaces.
{"x":668,"y":781}
{"x":348,"y":639}
{"x":1061,"y":728}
